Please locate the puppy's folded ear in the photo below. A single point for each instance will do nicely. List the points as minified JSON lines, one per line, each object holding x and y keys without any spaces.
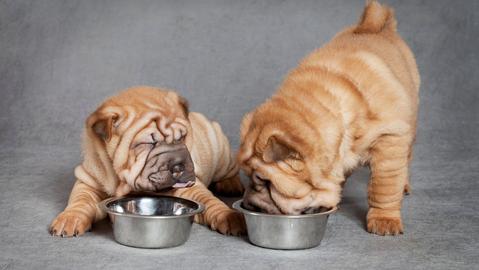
{"x":102,"y":124}
{"x":277,"y":150}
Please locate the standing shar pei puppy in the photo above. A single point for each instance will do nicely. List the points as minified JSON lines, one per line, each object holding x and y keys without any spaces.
{"x":144,"y":139}
{"x":352,"y":102}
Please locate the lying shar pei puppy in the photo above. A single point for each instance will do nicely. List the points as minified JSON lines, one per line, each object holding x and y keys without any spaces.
{"x":352,"y":102}
{"x":144,"y":139}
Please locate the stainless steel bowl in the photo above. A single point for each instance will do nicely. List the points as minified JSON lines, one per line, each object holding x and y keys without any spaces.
{"x":284,"y":231}
{"x":151,"y":221}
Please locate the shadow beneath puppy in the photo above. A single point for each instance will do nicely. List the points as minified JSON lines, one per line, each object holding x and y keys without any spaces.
{"x":354,"y":203}
{"x":103,"y":229}
{"x":229,"y":200}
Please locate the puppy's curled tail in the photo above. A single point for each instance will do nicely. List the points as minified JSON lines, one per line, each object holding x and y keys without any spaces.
{"x":375,"y":19}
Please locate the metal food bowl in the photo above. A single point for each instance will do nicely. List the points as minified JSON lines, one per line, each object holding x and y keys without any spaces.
{"x":151,"y":221}
{"x":284,"y":231}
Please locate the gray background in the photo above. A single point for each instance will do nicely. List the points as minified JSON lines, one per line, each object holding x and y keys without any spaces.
{"x":60,"y":59}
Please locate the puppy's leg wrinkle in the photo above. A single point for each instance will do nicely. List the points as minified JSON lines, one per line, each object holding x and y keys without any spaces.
{"x":217,"y":215}
{"x":389,"y":175}
{"x":230,"y":186}
{"x":82,"y":210}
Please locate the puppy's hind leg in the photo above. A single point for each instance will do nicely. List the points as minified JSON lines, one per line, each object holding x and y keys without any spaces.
{"x":229,"y":186}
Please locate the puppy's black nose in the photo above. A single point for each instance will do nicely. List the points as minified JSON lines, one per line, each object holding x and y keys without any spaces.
{"x":177,"y":170}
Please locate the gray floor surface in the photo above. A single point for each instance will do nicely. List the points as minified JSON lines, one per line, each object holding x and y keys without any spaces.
{"x":59,"y":59}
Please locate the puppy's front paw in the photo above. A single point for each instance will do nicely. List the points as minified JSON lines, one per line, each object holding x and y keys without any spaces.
{"x":229,"y":222}
{"x":384,"y":224}
{"x":70,"y":223}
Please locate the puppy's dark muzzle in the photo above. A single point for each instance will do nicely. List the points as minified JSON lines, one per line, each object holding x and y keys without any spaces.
{"x":169,"y":165}
{"x":258,"y":197}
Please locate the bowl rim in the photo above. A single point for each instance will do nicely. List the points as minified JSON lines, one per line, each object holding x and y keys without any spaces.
{"x":237,"y":206}
{"x":104,"y":206}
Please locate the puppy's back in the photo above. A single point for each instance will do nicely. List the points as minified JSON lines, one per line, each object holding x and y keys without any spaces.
{"x":373,"y":57}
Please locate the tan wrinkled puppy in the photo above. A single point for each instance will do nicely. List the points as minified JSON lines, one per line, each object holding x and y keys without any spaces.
{"x":352,"y":102}
{"x":144,"y":139}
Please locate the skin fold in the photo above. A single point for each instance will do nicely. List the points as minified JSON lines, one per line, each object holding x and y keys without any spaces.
{"x":352,"y":102}
{"x":144,"y":139}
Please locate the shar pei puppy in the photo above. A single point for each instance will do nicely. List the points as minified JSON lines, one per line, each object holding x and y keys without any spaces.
{"x":352,"y":102}
{"x":144,"y":139}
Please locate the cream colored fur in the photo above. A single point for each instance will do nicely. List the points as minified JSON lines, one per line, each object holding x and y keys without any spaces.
{"x":110,"y":164}
{"x":352,"y":102}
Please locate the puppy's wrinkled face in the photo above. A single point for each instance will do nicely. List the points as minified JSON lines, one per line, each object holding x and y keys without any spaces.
{"x":143,"y":131}
{"x":286,"y":176}
{"x":166,"y":165}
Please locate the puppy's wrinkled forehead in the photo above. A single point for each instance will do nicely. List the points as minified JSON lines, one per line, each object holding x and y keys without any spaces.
{"x":134,"y":108}
{"x":133,"y":115}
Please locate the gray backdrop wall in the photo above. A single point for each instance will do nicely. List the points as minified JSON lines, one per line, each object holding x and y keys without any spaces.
{"x":60,"y":59}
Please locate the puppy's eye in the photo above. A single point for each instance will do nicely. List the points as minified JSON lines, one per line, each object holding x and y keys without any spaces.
{"x":141,"y":147}
{"x":143,"y":144}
